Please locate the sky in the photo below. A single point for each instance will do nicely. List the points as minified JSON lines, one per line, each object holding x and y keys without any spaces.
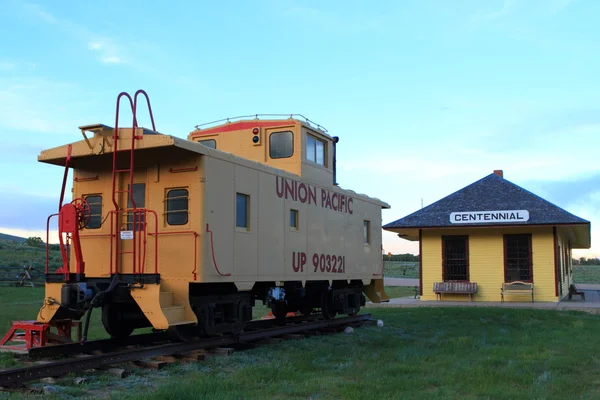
{"x":427,"y":96}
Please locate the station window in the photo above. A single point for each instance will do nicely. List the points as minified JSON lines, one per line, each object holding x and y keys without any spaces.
{"x":315,"y":149}
{"x":294,"y":219}
{"x":242,"y":210}
{"x":177,"y":203}
{"x":95,"y":203}
{"x":367,"y":232}
{"x":517,"y":258}
{"x":455,"y":258}
{"x":139,"y":196}
{"x":281,"y":144}
{"x":212,"y":143}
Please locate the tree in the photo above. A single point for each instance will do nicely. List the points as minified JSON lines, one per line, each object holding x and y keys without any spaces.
{"x":34,"y":242}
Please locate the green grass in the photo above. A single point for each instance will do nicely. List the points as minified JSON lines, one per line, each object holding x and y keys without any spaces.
{"x":586,"y":274}
{"x":429,"y":353}
{"x":401,"y":269}
{"x":400,"y":291}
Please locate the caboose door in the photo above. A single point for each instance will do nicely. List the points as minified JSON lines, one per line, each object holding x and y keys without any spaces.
{"x":132,"y":235}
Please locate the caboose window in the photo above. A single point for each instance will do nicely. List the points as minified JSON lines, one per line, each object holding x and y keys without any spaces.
{"x":367,"y":232}
{"x":294,"y":219}
{"x":212,"y":143}
{"x":139,"y":195}
{"x":315,"y":150}
{"x":281,"y":144}
{"x":177,"y":207}
{"x":242,"y":204}
{"x":95,"y":203}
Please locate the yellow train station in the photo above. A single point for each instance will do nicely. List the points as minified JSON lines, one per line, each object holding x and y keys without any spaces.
{"x":494,"y":241}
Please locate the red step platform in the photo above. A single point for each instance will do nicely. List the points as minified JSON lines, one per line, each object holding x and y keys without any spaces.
{"x":38,"y":334}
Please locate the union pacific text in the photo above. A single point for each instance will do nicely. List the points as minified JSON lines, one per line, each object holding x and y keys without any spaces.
{"x":308,"y":194}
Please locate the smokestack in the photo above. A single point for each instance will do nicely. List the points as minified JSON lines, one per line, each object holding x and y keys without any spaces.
{"x":499,"y":173}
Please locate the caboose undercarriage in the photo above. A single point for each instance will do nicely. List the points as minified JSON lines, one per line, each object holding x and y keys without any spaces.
{"x":218,"y":307}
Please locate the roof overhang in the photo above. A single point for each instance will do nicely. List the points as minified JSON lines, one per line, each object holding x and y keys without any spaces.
{"x":579,"y":234}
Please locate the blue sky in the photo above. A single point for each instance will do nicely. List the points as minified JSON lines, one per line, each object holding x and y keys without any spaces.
{"x":426,"y":96}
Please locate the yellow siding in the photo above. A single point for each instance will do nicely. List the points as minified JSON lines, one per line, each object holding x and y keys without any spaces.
{"x":565,"y":263}
{"x":486,"y":262}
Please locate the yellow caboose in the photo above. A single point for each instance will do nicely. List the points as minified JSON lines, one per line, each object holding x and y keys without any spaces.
{"x":187,"y":234}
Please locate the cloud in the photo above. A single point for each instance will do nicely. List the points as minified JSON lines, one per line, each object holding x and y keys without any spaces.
{"x":40,"y":106}
{"x":40,"y":13}
{"x":21,"y":211}
{"x":27,"y":233}
{"x":106,"y":49}
{"x":512,"y":8}
{"x":7,"y":66}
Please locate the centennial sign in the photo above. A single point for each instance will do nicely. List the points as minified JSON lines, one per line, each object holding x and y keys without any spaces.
{"x":483,"y":217}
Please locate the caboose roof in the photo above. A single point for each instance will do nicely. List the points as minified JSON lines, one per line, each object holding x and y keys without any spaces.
{"x":490,"y":194}
{"x":153,"y":147}
{"x":230,"y":124}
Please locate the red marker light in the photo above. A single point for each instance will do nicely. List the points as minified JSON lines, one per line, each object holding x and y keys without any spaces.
{"x":255,"y":131}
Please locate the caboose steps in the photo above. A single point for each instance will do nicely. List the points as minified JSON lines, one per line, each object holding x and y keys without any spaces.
{"x":174,"y":314}
{"x":166,"y":299}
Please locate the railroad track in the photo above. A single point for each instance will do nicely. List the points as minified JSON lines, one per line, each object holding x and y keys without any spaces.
{"x":255,"y":331}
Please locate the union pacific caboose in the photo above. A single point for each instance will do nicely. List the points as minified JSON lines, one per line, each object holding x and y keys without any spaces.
{"x":187,"y":234}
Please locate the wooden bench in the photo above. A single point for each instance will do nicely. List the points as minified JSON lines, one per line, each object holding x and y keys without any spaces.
{"x":574,"y":291}
{"x":452,"y":287}
{"x":516,"y":287}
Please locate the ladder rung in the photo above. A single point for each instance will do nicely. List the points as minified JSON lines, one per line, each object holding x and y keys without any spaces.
{"x":125,"y":252}
{"x":121,"y":191}
{"x":123,"y":170}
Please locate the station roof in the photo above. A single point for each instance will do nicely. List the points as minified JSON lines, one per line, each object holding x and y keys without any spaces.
{"x":490,"y":195}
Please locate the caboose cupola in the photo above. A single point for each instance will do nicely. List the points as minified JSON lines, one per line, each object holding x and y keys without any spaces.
{"x":294,"y":144}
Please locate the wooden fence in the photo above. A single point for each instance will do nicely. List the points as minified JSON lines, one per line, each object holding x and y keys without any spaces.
{"x":21,"y":276}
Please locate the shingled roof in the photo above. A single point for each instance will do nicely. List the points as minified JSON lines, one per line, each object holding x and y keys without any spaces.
{"x":492,"y":193}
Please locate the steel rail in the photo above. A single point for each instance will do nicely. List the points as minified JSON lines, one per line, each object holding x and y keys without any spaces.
{"x":146,"y":339}
{"x":104,"y":345}
{"x":19,"y":376}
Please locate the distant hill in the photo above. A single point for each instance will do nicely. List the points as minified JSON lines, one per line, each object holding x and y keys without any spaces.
{"x":4,"y":236}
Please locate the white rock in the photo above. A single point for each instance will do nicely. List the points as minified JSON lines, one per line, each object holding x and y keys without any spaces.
{"x":379,"y":322}
{"x":349,"y":330}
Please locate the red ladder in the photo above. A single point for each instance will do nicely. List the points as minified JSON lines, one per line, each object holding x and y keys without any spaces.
{"x":139,"y":215}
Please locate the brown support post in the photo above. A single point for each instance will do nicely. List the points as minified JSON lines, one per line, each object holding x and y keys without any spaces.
{"x":420,"y":262}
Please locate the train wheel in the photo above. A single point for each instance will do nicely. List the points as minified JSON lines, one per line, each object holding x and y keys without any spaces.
{"x":327,"y":309}
{"x":279,"y":309}
{"x":184,"y":333}
{"x":305,"y":309}
{"x":113,"y":321}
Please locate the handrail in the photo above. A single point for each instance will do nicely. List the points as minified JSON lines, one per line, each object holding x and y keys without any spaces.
{"x":48,"y":240}
{"x":290,"y":116}
{"x":140,"y":91}
{"x":212,"y":248}
{"x":139,"y":240}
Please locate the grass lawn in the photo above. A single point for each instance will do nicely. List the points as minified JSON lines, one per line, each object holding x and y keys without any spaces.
{"x":400,"y":269}
{"x":429,"y":353}
{"x":586,"y":274}
{"x":424,"y":353}
{"x":400,"y":291}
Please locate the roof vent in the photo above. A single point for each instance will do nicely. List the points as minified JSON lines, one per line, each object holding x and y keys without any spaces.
{"x":499,"y":173}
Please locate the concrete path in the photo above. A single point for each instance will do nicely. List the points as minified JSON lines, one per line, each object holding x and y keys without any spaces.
{"x":400,"y":282}
{"x":591,"y":303}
